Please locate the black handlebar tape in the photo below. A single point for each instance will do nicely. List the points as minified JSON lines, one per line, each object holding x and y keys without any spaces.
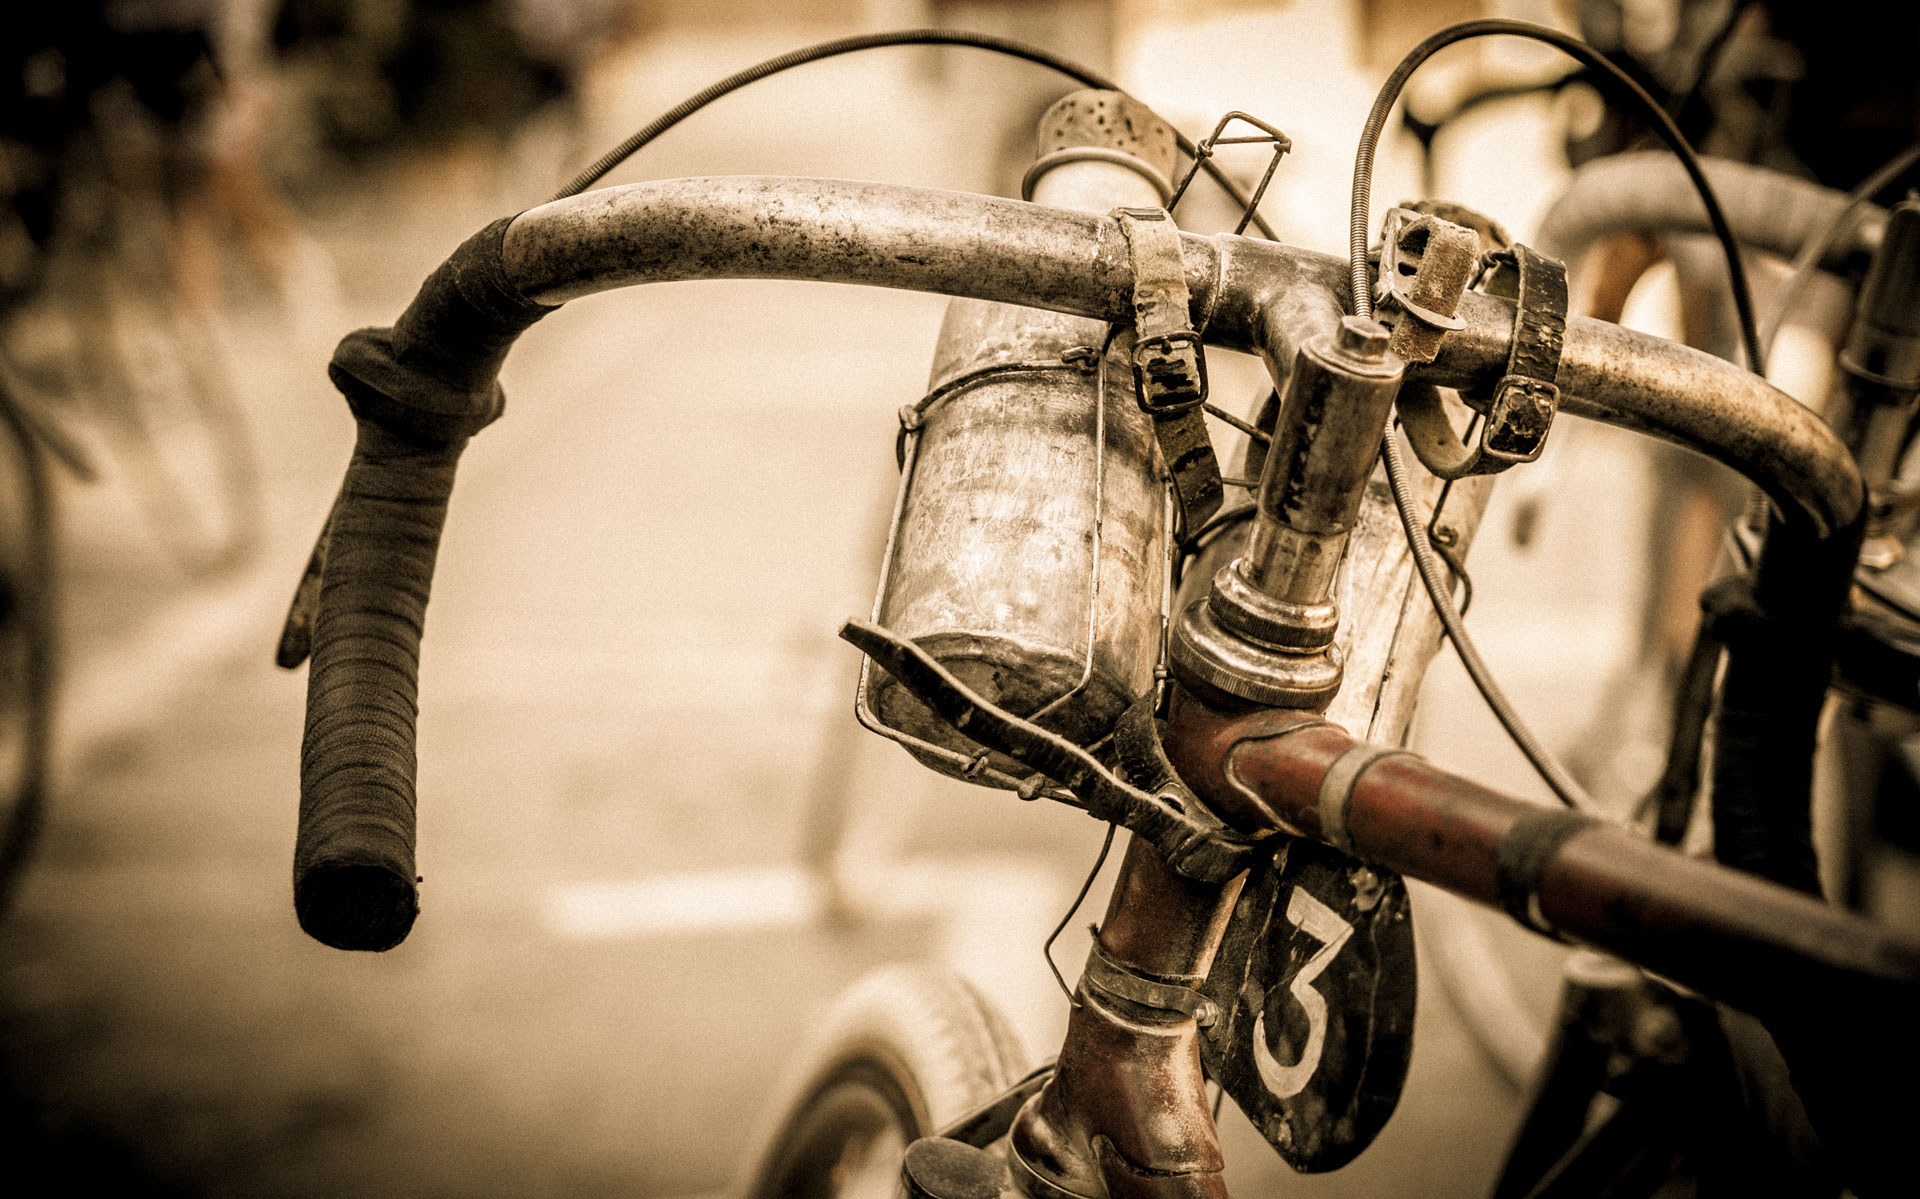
{"x":433,"y":376}
{"x":419,"y":391}
{"x":1780,"y":629}
{"x":353,"y":866}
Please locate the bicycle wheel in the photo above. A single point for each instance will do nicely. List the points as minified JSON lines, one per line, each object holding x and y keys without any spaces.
{"x":904,"y":1052}
{"x":26,"y":642}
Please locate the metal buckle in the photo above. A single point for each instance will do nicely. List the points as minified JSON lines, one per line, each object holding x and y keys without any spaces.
{"x":1169,"y":371}
{"x":1169,"y":374}
{"x":1520,"y":411}
{"x":1518,"y":419}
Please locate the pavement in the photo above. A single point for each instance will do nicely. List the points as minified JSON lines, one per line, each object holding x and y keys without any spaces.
{"x":633,"y":707}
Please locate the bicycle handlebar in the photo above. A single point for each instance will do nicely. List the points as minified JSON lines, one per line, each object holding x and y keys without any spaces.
{"x":1247,"y":295}
{"x":1648,"y":191}
{"x":424,"y":386}
{"x":353,"y":865}
{"x":418,"y":391}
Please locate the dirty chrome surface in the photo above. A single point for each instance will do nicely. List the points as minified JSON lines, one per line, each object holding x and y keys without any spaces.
{"x":1265,"y":633}
{"x":1246,"y":295}
{"x":1686,"y":396}
{"x":1028,"y":553}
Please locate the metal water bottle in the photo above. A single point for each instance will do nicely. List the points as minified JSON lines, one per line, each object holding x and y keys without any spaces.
{"x":1029,"y":546}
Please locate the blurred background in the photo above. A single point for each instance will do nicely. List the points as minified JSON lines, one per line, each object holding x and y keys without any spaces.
{"x":654,"y":842}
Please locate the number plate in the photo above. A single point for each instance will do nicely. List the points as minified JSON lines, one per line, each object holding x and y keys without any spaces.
{"x":1315,"y":983}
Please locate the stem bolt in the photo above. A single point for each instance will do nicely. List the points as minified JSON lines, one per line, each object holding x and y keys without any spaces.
{"x":1363,"y":339}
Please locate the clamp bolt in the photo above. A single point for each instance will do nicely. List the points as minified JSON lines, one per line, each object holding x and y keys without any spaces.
{"x":1363,"y":339}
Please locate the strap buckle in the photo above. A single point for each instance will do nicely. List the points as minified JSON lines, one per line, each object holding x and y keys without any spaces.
{"x":1169,"y":369}
{"x":1518,"y":419}
{"x":1520,"y":410}
{"x":1169,"y":374}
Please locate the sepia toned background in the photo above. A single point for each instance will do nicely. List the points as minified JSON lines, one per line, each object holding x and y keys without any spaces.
{"x":655,"y":845}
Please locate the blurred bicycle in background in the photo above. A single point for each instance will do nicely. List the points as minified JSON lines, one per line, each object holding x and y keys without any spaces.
{"x":146,"y":155}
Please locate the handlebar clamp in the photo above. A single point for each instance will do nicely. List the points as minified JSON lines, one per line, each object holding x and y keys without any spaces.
{"x":1520,"y":412}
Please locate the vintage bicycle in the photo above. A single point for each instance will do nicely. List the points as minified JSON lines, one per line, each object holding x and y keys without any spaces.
{"x":1069,"y":611}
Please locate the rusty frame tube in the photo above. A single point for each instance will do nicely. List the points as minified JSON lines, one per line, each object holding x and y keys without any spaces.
{"x":1722,"y":931}
{"x":1126,"y":1111}
{"x":1835,"y":991}
{"x":1247,"y":295}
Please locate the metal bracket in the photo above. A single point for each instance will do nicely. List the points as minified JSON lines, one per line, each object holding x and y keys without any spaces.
{"x":1425,"y":266}
{"x":1268,"y":136}
{"x":1195,"y":843}
{"x":1109,"y":977}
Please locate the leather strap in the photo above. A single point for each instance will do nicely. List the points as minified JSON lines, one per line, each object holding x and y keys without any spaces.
{"x":1520,"y":412}
{"x":1522,"y":856}
{"x":1540,"y":320}
{"x":1169,"y":370}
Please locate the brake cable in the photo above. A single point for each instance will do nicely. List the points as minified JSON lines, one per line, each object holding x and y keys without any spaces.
{"x":1562,"y":783}
{"x":1083,"y":75}
{"x":1046,"y":950}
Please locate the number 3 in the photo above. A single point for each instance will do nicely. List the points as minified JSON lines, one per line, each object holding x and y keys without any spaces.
{"x":1324,"y":924}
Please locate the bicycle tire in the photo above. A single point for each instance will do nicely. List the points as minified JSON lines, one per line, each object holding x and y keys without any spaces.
{"x":903,"y":1052}
{"x":27,"y":643}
